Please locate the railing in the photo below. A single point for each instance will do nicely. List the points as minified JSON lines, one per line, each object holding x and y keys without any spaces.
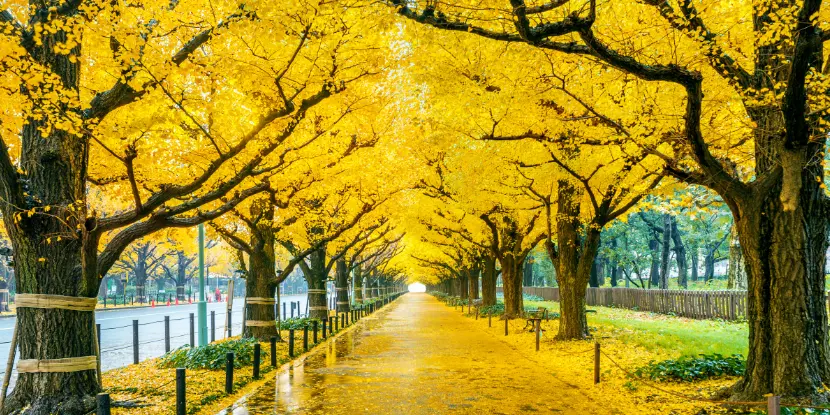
{"x":726,"y":305}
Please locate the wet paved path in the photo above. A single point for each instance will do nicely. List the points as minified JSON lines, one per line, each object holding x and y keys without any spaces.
{"x":415,"y":356}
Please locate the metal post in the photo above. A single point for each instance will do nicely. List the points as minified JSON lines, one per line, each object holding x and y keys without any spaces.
{"x":230,"y":324}
{"x":257,"y":355}
{"x":98,"y":333}
{"x":212,"y":326}
{"x":343,"y":320}
{"x":292,"y":309}
{"x":773,"y":405}
{"x":274,"y":351}
{"x":290,"y":342}
{"x":324,"y":328}
{"x":336,"y":323}
{"x":596,"y":363}
{"x":538,"y":332}
{"x":505,"y":325}
{"x":229,"y":373}
{"x":305,"y":337}
{"x":103,"y":402}
{"x":201,"y":307}
{"x":314,"y":324}
{"x":181,"y":392}
{"x":490,"y":320}
{"x":193,"y":330}
{"x":166,"y":334}
{"x":135,"y":342}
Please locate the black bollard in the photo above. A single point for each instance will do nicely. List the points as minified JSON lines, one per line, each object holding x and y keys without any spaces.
{"x":229,"y":373}
{"x":490,"y":320}
{"x":314,"y":324}
{"x":98,"y":333}
{"x":274,"y":351}
{"x":336,"y":323}
{"x":135,"y":342}
{"x":192,"y":330}
{"x":256,"y":359}
{"x":290,"y":342}
{"x":283,"y":311}
{"x":230,"y":324}
{"x":103,"y":402}
{"x":505,"y":325}
{"x":343,"y":321}
{"x":166,"y":334}
{"x":305,"y":338}
{"x":324,"y":328}
{"x":181,"y":392}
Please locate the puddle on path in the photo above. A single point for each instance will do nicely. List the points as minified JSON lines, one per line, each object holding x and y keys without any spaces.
{"x":414,"y":357}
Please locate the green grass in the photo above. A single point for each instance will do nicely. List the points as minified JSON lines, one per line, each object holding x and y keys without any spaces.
{"x":673,"y":335}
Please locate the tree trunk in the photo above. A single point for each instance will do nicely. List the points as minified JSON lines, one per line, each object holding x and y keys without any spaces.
{"x":784,"y":252}
{"x":54,"y":172}
{"x":261,"y":283}
{"x":488,"y":282}
{"x":736,"y":274}
{"x":695,"y":259}
{"x":472,"y":279}
{"x":665,"y":266}
{"x":680,"y":255}
{"x":316,"y":275}
{"x":654,"y":272}
{"x":141,"y":293}
{"x":511,"y":274}
{"x":527,"y":272}
{"x":573,"y":268}
{"x":357,"y":284}
{"x":341,"y":286}
{"x":709,"y":265}
{"x":593,"y":277}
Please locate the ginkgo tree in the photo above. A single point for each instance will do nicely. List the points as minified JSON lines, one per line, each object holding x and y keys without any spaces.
{"x":767,"y":60}
{"x":170,"y":110}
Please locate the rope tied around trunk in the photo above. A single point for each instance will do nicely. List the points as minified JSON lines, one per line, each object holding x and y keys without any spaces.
{"x":62,"y":365}
{"x":316,"y":291}
{"x":318,"y":308}
{"x":261,"y":323}
{"x":260,"y":300}
{"x":62,"y":302}
{"x":69,"y":364}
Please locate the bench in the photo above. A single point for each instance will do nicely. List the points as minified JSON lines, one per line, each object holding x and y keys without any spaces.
{"x":532,"y":317}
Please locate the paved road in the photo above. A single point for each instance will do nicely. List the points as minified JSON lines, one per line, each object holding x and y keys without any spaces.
{"x":117,"y":331}
{"x":415,"y":356}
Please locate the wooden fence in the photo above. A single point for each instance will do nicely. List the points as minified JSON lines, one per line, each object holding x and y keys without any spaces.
{"x":726,"y":305}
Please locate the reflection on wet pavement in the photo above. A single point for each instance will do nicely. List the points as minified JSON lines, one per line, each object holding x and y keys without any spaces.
{"x":415,"y":356}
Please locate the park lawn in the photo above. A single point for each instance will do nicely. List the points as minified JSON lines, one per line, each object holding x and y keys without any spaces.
{"x":675,"y":336}
{"x":631,"y":344}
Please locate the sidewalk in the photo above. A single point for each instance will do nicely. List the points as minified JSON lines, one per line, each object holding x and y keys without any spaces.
{"x":417,"y":356}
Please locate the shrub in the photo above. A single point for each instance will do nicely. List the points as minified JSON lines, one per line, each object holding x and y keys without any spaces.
{"x":529,"y":297}
{"x":211,"y":356}
{"x":690,"y":368}
{"x":495,"y":310}
{"x":297,"y":323}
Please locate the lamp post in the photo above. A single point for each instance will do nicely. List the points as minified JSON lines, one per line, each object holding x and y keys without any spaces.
{"x":202,"y":306}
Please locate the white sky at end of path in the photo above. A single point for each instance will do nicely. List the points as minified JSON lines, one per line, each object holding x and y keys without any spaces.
{"x":417,"y":288}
